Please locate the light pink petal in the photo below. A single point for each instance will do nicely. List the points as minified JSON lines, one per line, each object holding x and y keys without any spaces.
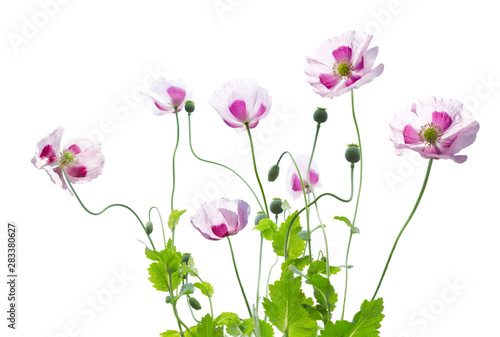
{"x":353,"y":79}
{"x":313,"y":177}
{"x":75,"y":149}
{"x":76,"y":171}
{"x":296,"y":184}
{"x":243,"y":214}
{"x":47,"y":149}
{"x":231,"y":221}
{"x":260,"y":112}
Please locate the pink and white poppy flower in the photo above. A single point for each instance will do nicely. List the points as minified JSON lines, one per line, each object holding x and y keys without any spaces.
{"x":435,"y":128}
{"x":341,"y":64}
{"x":81,"y":159}
{"x":217,"y":219}
{"x":170,"y":95}
{"x":293,"y":183}
{"x":241,"y":102}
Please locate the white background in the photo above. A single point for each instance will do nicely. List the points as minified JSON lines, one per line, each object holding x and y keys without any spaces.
{"x":82,"y":65}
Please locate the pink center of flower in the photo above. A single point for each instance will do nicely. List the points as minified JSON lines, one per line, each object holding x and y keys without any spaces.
{"x":297,"y":186}
{"x":177,"y":95}
{"x":220,"y":230}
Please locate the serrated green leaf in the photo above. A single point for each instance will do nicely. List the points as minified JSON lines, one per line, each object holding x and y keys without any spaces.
{"x":173,"y":218}
{"x":344,"y":219}
{"x":208,"y":327}
{"x":319,"y":267}
{"x":227,"y":318}
{"x":170,"y":333}
{"x":300,"y":263}
{"x":266,"y":329}
{"x":206,"y":289}
{"x":167,"y":257}
{"x":187,"y":289}
{"x":284,"y":308}
{"x":323,"y":291}
{"x":267,"y":227}
{"x":158,"y":276}
{"x":365,"y":323}
{"x":296,"y":245}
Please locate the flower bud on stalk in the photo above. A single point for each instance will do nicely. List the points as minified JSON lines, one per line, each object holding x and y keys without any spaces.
{"x":274,"y":172}
{"x":320,"y":115}
{"x":149,"y":227}
{"x":189,"y":106}
{"x":352,"y":154}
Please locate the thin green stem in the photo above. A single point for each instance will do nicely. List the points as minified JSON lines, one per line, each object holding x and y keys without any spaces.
{"x":258,"y":277}
{"x":221,"y":165}
{"x":106,"y":208}
{"x":312,"y":203}
{"x":161,"y":221}
{"x":404,"y":226}
{"x":357,"y":201}
{"x":238,"y":277}
{"x":174,"y":306}
{"x":255,"y":169}
{"x":173,"y":161}
{"x":306,"y":207}
{"x":326,"y":240}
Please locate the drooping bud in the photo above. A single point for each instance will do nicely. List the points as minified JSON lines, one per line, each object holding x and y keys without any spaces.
{"x":320,"y":115}
{"x":274,"y":172}
{"x":259,"y":216}
{"x":275,"y":206}
{"x":352,"y":154}
{"x":193,"y":303}
{"x":189,"y":106}
{"x":185,"y":258}
{"x":149,"y":227}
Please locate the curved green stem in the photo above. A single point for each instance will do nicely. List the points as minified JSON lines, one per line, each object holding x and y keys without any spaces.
{"x":106,"y":208}
{"x":173,"y":161}
{"x":312,"y":203}
{"x":357,"y":200}
{"x":221,"y":165}
{"x":306,"y":207}
{"x":161,"y":221}
{"x":238,"y":277}
{"x":255,"y":169}
{"x":404,"y":226}
{"x":258,"y":276}
{"x":326,"y":240}
{"x":174,"y":306}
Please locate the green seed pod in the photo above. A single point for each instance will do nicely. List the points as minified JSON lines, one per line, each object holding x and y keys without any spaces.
{"x":352,"y":153}
{"x":275,"y":206}
{"x":149,"y":227}
{"x":185,"y":258}
{"x":274,"y":172}
{"x":193,"y":302}
{"x":189,"y":106}
{"x":320,"y":115}
{"x":259,"y":216}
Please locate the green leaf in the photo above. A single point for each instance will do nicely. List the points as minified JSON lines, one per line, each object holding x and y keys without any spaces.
{"x":365,"y":323}
{"x":284,"y":309}
{"x":158,"y":276}
{"x":319,"y":267}
{"x":173,"y":218}
{"x":267,"y":227}
{"x":343,"y":218}
{"x":206,"y":289}
{"x":227,"y":318}
{"x":355,"y":230}
{"x":300,"y":263}
{"x":323,"y":291}
{"x":208,"y":327}
{"x":266,"y":329}
{"x":170,"y":333}
{"x":296,"y":245}
{"x":187,"y":289}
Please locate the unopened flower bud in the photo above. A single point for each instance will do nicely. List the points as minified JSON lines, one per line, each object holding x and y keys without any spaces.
{"x":185,"y":258}
{"x":259,"y":216}
{"x":275,"y":206}
{"x":193,"y":302}
{"x":149,"y":227}
{"x":352,"y":154}
{"x":189,"y":106}
{"x":274,"y":172}
{"x":320,"y":115}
